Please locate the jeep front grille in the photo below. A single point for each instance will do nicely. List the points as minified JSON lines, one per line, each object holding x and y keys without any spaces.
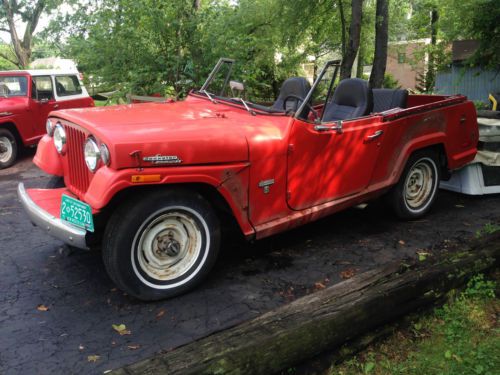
{"x":79,"y":175}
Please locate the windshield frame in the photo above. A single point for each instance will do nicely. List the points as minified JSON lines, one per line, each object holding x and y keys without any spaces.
{"x":307,"y":99}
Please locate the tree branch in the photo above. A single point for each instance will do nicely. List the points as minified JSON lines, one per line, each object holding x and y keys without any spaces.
{"x":9,"y":59}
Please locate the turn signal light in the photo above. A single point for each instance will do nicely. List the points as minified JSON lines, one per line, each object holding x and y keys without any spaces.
{"x":146,"y":178}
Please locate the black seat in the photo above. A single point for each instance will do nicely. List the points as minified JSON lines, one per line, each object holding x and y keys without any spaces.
{"x":352,"y":98}
{"x":297,"y":86}
{"x":385,"y":99}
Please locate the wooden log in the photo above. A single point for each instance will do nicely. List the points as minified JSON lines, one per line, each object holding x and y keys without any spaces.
{"x":325,"y":319}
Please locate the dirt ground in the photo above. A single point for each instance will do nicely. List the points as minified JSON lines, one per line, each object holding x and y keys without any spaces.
{"x":75,"y":334}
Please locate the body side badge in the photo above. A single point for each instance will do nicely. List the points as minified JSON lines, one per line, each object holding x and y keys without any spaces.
{"x":265,"y":184}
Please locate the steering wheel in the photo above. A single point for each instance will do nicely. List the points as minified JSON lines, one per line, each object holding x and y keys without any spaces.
{"x":299,"y":99}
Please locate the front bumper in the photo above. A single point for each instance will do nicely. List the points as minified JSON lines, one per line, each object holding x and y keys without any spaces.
{"x":57,"y":228}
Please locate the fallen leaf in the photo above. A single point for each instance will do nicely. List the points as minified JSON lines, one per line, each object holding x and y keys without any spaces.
{"x":459,"y":206}
{"x":401,"y":242}
{"x":133,"y":347}
{"x":93,"y":358}
{"x":121,"y":329}
{"x":422,"y":255}
{"x":160,"y":314}
{"x":347,"y":274}
{"x":42,"y":308}
{"x":81,"y":347}
{"x":319,"y":286}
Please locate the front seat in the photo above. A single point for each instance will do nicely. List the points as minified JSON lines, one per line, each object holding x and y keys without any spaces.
{"x":297,"y":86}
{"x":352,"y":98}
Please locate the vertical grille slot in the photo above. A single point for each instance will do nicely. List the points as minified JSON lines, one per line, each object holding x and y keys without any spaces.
{"x":78,"y":173}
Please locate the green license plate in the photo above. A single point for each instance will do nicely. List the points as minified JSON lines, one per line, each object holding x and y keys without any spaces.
{"x":77,"y":213}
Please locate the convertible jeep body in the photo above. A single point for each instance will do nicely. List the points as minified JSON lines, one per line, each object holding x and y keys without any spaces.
{"x":156,"y":184}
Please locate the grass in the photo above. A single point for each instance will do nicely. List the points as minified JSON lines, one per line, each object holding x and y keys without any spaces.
{"x":462,"y":337}
{"x":488,"y":228}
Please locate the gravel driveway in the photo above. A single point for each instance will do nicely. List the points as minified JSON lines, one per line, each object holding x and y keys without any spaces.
{"x":57,"y":306}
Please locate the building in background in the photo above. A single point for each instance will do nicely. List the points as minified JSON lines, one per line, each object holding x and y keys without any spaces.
{"x":473,"y":82}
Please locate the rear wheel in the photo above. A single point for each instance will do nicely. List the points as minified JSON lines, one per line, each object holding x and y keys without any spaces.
{"x":8,"y":148}
{"x":162,"y":245}
{"x":416,"y":190}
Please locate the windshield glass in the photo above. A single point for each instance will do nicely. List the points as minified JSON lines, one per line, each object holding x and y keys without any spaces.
{"x":13,"y":86}
{"x":221,"y":86}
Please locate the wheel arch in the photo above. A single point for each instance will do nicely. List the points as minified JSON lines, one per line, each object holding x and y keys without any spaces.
{"x":229,"y":215}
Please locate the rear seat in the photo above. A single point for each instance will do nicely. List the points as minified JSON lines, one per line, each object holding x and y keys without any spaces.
{"x":385,"y":99}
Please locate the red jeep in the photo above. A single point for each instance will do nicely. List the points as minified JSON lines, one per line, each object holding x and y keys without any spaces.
{"x":154,"y":183}
{"x":26,"y":98}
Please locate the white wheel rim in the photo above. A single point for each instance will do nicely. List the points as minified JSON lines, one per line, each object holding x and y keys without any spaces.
{"x":5,"y":149}
{"x":420,"y":185}
{"x":180,"y":228}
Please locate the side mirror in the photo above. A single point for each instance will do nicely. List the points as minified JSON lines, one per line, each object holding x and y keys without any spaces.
{"x":238,"y":87}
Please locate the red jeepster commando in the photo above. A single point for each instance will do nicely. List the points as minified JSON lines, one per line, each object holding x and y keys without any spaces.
{"x":155,"y":184}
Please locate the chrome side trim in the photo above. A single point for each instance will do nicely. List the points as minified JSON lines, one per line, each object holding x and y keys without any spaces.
{"x":57,"y":228}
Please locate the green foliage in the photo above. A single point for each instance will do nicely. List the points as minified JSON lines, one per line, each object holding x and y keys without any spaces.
{"x":489,"y":228}
{"x":460,"y":338}
{"x":390,"y":82}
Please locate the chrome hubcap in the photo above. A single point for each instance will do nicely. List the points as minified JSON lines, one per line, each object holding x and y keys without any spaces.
{"x":169,"y":246}
{"x":5,"y":149}
{"x":419,"y":184}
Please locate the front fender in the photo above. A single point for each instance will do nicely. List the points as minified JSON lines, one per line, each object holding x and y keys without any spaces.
{"x":231,"y":181}
{"x":47,"y":158}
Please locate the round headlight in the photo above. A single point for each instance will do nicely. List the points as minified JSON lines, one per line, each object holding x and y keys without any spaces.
{"x":91,"y":153}
{"x":106,"y":159}
{"x":49,"y":127}
{"x":59,"y":137}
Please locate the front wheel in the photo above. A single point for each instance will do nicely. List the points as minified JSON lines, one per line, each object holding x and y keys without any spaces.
{"x":8,"y":148}
{"x":162,"y":245}
{"x":416,"y":190}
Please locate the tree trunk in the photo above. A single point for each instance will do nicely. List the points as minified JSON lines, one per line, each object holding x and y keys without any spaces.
{"x":354,"y":37}
{"x":342,"y":26}
{"x":381,"y":41}
{"x":22,"y":48}
{"x":326,"y":319}
{"x":430,"y":77}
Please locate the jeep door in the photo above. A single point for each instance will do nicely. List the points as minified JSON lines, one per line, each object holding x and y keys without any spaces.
{"x":325,"y":165}
{"x":42,"y":103}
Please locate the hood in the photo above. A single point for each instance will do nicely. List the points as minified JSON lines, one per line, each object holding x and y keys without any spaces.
{"x":193,"y":131}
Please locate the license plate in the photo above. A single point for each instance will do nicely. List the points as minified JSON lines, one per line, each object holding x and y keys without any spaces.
{"x":77,"y":213}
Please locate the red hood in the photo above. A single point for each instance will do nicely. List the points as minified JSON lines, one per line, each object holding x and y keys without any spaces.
{"x":194,"y":130}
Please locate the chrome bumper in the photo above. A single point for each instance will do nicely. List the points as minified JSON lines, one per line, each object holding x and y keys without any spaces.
{"x":57,"y":228}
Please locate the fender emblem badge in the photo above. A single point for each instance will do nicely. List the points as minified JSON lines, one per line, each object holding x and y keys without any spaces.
{"x":163,"y":159}
{"x":266,"y":185}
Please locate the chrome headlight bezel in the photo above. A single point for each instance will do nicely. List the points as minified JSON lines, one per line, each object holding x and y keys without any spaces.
{"x":105,"y":155}
{"x":91,"y":153}
{"x":59,"y":138}
{"x":49,"y":127}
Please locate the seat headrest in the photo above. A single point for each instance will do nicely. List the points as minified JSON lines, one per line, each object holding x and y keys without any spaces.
{"x":352,"y":98}
{"x":298,"y":86}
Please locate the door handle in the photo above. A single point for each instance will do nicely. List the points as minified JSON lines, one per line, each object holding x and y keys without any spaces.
{"x":324,"y":128}
{"x":56,"y":106}
{"x":375,"y":135}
